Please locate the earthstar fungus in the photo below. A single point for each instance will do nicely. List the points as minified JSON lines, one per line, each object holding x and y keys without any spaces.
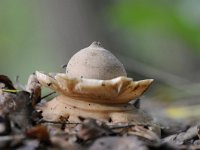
{"x":95,"y":85}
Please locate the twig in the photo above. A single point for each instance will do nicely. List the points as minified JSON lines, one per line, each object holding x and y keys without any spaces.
{"x":110,"y":126}
{"x":125,"y":126}
{"x":47,"y":95}
{"x":10,"y":91}
{"x":57,"y":122}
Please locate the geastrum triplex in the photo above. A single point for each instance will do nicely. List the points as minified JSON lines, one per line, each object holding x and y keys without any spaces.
{"x":95,"y":85}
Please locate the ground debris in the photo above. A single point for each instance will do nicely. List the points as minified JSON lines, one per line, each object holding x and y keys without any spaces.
{"x":7,"y":103}
{"x":34,"y":88}
{"x":22,"y":127}
{"x":6,"y":83}
{"x":184,"y":137}
{"x":5,"y":127}
{"x":17,"y":105}
{"x":90,"y":129}
{"x":21,"y":115}
{"x":136,"y":129}
{"x":61,"y":143}
{"x":118,"y":143}
{"x":39,"y":132}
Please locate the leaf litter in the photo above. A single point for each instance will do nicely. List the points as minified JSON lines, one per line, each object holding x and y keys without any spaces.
{"x":21,"y":127}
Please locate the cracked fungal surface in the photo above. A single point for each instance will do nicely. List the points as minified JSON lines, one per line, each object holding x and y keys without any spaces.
{"x":95,"y":85}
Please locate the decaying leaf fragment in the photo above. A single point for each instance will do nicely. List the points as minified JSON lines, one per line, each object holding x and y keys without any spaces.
{"x":39,"y":132}
{"x":21,"y":115}
{"x":183,"y":137}
{"x":91,"y":130}
{"x":16,"y":104}
{"x":34,"y":88}
{"x":118,"y":143}
{"x":7,"y":102}
{"x":7,"y":99}
{"x":6,"y":83}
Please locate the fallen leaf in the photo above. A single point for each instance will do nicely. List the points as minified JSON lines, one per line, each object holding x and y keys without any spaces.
{"x":34,"y":88}
{"x":7,"y":103}
{"x":118,"y":143}
{"x":91,"y":130}
{"x":182,"y":137}
{"x":39,"y":132}
{"x":21,"y":115}
{"x":6,"y":83}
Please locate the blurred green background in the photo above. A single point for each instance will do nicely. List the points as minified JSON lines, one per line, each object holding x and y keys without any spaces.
{"x":153,"y":39}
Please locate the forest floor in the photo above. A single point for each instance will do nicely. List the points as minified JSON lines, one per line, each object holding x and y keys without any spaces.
{"x":21,"y":127}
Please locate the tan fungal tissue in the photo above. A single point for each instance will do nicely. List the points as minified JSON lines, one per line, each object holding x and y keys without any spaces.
{"x":95,"y":85}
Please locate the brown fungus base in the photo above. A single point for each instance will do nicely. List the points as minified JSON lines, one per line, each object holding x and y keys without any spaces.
{"x":73,"y":110}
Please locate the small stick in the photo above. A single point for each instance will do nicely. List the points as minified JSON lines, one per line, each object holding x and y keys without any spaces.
{"x":10,"y":91}
{"x":125,"y":126}
{"x":57,"y":122}
{"x":47,"y":95}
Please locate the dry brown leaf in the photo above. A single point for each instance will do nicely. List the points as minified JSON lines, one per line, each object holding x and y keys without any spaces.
{"x":39,"y":132}
{"x":6,"y":83}
{"x":34,"y":88}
